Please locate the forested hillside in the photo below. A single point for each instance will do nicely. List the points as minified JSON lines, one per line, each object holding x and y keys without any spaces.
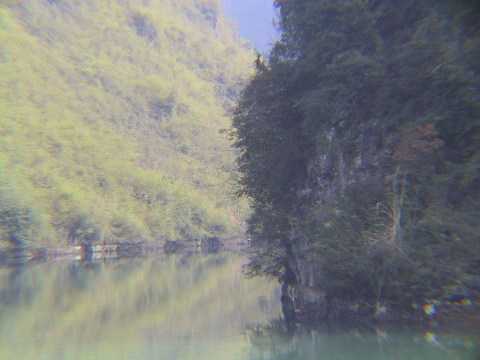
{"x":110,"y":120}
{"x":360,"y":147}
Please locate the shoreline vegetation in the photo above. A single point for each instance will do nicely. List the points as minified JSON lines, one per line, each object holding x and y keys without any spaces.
{"x":125,"y":249}
{"x":359,"y":150}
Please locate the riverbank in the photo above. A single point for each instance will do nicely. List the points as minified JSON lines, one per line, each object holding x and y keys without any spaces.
{"x":307,"y":307}
{"x":302,"y":306}
{"x":89,"y":252}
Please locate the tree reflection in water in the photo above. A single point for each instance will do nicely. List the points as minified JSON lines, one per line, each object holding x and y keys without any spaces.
{"x":181,"y":308}
{"x":276,"y":341}
{"x":171,"y":307}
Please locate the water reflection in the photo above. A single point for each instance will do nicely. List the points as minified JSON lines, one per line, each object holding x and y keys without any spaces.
{"x":179,"y":308}
{"x":164,"y":308}
{"x":354,"y":343}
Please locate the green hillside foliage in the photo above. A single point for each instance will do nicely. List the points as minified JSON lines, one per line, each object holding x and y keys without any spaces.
{"x":359,"y":146}
{"x":110,"y":120}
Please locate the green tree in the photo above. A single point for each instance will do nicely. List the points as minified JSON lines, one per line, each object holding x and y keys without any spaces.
{"x":359,"y":147}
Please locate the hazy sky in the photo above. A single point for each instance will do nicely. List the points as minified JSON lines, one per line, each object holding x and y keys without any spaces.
{"x":254,"y":19}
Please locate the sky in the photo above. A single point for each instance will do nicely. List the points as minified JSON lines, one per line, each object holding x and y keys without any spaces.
{"x":254,"y":21}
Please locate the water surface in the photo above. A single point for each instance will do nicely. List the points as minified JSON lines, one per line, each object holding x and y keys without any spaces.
{"x":179,"y":307}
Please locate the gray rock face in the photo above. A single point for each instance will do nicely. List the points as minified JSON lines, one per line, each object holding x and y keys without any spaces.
{"x":345,"y":180}
{"x":340,"y":167}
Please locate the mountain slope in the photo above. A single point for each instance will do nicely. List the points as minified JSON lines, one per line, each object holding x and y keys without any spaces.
{"x":110,"y":120}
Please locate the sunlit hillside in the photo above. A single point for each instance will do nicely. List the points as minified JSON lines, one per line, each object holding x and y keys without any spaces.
{"x":111,"y":114}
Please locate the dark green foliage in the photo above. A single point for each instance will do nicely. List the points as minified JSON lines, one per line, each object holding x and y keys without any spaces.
{"x":360,"y":147}
{"x":82,"y":230}
{"x":18,"y":221}
{"x":143,"y":27}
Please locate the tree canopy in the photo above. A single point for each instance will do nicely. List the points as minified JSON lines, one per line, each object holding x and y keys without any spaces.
{"x":359,"y":147}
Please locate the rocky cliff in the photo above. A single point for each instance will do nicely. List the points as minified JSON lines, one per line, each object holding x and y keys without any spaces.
{"x":360,"y":150}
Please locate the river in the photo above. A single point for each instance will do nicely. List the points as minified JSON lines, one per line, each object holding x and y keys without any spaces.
{"x":181,"y":308}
